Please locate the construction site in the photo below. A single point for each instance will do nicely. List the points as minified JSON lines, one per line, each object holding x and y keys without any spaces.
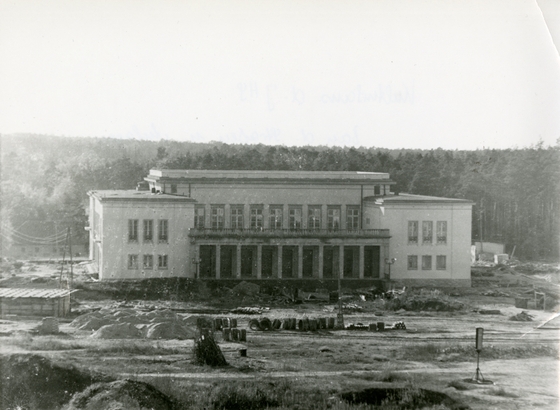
{"x":182,"y":343}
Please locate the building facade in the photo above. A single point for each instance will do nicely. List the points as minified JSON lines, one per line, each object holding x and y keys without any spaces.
{"x":280,"y":225}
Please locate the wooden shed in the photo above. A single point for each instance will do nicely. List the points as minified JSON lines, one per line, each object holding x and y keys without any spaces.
{"x":34,"y":302}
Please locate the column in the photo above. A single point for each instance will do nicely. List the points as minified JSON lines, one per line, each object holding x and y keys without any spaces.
{"x":361,"y":262}
{"x":238,"y":262}
{"x":343,"y":217}
{"x":320,"y":261}
{"x":218,"y":258}
{"x":279,"y":261}
{"x":300,"y":261}
{"x":259,"y":261}
{"x":341,"y":261}
{"x":196,"y":261}
{"x":266,"y":216}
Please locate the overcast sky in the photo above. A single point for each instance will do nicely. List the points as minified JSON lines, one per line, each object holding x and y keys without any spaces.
{"x":462,"y":74}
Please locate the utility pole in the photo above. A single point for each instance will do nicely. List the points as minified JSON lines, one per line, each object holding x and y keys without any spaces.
{"x":480,"y":212}
{"x":70,"y":283}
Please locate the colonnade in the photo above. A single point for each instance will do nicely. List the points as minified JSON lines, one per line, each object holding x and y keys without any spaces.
{"x":300,"y":261}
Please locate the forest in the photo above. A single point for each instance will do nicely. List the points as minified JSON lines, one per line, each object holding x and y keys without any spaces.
{"x":515,"y":191}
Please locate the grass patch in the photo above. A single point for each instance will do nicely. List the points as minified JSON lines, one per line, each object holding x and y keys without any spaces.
{"x":26,"y":341}
{"x":137,"y":348}
{"x":459,"y":353}
{"x":500,"y":391}
{"x":384,"y":376}
{"x":458,"y":385}
{"x":252,"y":395}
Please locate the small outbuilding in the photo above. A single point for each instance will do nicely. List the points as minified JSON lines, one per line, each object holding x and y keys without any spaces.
{"x":32,"y":302}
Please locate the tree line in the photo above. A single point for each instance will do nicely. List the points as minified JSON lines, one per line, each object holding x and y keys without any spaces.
{"x":515,"y":191}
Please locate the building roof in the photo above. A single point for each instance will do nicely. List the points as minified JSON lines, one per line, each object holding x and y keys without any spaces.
{"x":299,"y":175}
{"x":133,"y":195}
{"x":410,"y":199}
{"x":15,"y":293}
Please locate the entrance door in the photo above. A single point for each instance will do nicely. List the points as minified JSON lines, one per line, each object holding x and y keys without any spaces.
{"x":371,"y":261}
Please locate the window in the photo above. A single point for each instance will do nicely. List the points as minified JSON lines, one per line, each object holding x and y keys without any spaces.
{"x":295,"y":218}
{"x":333,"y":218}
{"x":412,"y":262}
{"x":148,"y":262}
{"x":353,"y":218}
{"x":133,"y":230}
{"x":148,"y":230}
{"x":199,"y":217}
{"x":162,"y":261}
{"x":412,"y":231}
{"x":441,"y":262}
{"x":377,"y":190}
{"x":426,"y":262}
{"x":173,"y":188}
{"x":132,"y":261}
{"x":275,"y":217}
{"x":217,"y":217}
{"x":237,"y":217}
{"x":427,"y":231}
{"x":441,"y":233}
{"x":163,"y":233}
{"x":314,"y":217}
{"x":256,"y":218}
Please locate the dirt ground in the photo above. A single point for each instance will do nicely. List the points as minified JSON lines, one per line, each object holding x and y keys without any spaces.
{"x":436,"y":350}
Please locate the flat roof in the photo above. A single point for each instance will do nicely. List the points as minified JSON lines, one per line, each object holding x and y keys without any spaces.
{"x":131,"y":194}
{"x":268,"y":175}
{"x":403,"y":198}
{"x":16,"y":293}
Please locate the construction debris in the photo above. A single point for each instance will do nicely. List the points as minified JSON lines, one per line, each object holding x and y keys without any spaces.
{"x":398,"y":326}
{"x":522,"y":317}
{"x":248,"y":310}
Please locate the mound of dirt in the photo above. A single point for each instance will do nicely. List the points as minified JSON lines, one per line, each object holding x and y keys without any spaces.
{"x":34,"y":382}
{"x":118,"y":331}
{"x":246,"y":288}
{"x":169,"y":330}
{"x":83,"y":319}
{"x":110,"y":323}
{"x":95,"y":323}
{"x":121,"y":395}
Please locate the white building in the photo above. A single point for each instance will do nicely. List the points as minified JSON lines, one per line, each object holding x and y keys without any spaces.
{"x":280,"y":225}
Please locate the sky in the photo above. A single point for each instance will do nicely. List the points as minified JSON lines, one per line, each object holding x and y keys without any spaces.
{"x":452,"y":74}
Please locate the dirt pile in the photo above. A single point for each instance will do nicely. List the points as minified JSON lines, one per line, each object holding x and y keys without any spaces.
{"x":118,"y":331}
{"x":121,"y":395}
{"x":34,"y":382}
{"x":420,"y":303}
{"x":125,"y":323}
{"x":246,"y":288}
